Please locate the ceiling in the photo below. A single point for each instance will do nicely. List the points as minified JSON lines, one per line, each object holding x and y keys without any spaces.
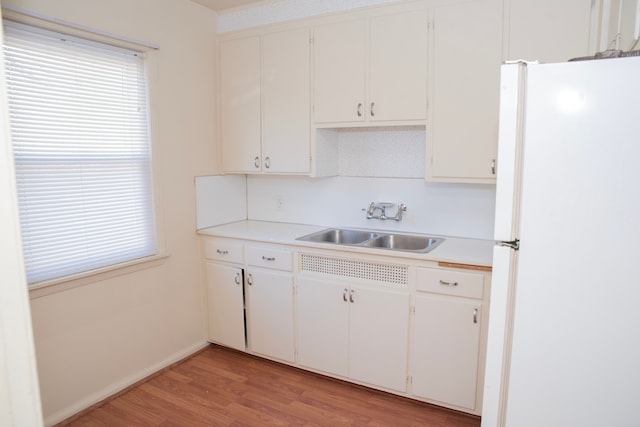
{"x":220,"y":5}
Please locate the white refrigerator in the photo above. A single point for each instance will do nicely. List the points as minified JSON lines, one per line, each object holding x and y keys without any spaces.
{"x":564,"y":329}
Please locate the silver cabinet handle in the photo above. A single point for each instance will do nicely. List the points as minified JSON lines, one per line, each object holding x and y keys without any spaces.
{"x":256,"y":162}
{"x":351,"y":293}
{"x":493,"y":166}
{"x":344,"y":295}
{"x":268,"y":258}
{"x":222,"y":252}
{"x":443,"y":283}
{"x":371,"y":110}
{"x":475,"y":315}
{"x":237,"y":279}
{"x":249,"y":279}
{"x":267,"y":162}
{"x":359,"y":110}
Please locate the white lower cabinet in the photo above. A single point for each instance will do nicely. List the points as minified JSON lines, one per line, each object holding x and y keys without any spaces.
{"x":269,"y":302}
{"x":445,"y":350}
{"x":379,"y":337}
{"x":448,"y":327}
{"x":270,"y":313}
{"x":414,"y":328}
{"x":322,"y":321}
{"x":354,"y":331}
{"x":225,"y":303}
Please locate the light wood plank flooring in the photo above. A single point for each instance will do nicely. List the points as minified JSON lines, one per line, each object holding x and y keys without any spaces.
{"x":222,"y":387}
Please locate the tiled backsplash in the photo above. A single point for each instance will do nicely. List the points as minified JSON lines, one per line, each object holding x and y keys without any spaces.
{"x":391,"y":152}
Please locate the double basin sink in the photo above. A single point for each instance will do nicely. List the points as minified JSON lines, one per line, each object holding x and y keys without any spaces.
{"x":374,"y":239}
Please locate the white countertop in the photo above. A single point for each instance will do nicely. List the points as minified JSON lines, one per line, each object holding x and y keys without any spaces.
{"x":453,"y":249}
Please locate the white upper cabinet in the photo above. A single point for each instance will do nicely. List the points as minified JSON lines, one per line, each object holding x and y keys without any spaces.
{"x":462,"y":132}
{"x":339,"y":71}
{"x":398,"y":67}
{"x":371,"y":69}
{"x":265,"y":103}
{"x":286,"y":119}
{"x":550,"y":30}
{"x":240,"y":104}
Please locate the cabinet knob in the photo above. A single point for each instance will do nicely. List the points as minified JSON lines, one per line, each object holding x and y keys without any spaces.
{"x":249,"y":279}
{"x":344,"y":295}
{"x":475,"y":315}
{"x":256,"y":162}
{"x":222,"y":252}
{"x":493,"y":166}
{"x":267,"y":162}
{"x":351,"y":294}
{"x":237,"y":279}
{"x":371,"y":110}
{"x":268,"y":258}
{"x":359,"y":109}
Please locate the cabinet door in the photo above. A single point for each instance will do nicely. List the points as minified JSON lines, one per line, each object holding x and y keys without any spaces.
{"x":322,"y":322}
{"x":446,"y":345}
{"x":378,"y":337}
{"x":398,"y":67}
{"x":286,"y":102}
{"x":225,"y":305}
{"x":339,"y":72}
{"x":467,"y":54}
{"x":240,"y":104}
{"x":551,"y":30}
{"x":270,"y":314}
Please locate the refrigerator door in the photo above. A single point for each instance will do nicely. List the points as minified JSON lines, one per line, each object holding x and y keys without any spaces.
{"x":576,"y":348}
{"x":512,"y":86}
{"x":512,"y":80}
{"x":499,"y":336}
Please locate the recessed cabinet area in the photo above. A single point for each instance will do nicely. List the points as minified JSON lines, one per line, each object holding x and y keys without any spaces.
{"x":402,"y":325}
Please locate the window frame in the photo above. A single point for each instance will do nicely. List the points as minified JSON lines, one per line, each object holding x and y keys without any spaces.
{"x":150,"y":52}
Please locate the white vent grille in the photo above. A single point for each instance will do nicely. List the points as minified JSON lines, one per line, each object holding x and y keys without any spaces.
{"x":355,"y":269}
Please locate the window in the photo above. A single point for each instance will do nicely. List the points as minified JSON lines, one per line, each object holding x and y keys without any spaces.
{"x":78,"y":116}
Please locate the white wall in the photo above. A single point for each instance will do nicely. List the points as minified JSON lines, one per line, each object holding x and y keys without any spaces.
{"x":93,"y":339}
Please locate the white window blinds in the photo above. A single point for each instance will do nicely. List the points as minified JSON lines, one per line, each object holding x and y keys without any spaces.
{"x":79,"y":126}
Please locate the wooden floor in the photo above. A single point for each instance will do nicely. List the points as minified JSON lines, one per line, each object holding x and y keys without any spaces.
{"x":221,"y":387}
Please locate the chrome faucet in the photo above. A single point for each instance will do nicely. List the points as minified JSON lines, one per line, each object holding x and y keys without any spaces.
{"x":381,"y":208}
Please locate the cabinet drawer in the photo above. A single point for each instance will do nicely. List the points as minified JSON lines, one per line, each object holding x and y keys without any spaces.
{"x":279,"y":259}
{"x":448,"y":282}
{"x":223,"y":250}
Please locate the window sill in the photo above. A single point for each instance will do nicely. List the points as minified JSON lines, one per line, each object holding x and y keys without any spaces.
{"x":70,"y":282}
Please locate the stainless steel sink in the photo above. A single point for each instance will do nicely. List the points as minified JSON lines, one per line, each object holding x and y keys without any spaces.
{"x":403,"y":242}
{"x":339,"y":236}
{"x":374,"y":239}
